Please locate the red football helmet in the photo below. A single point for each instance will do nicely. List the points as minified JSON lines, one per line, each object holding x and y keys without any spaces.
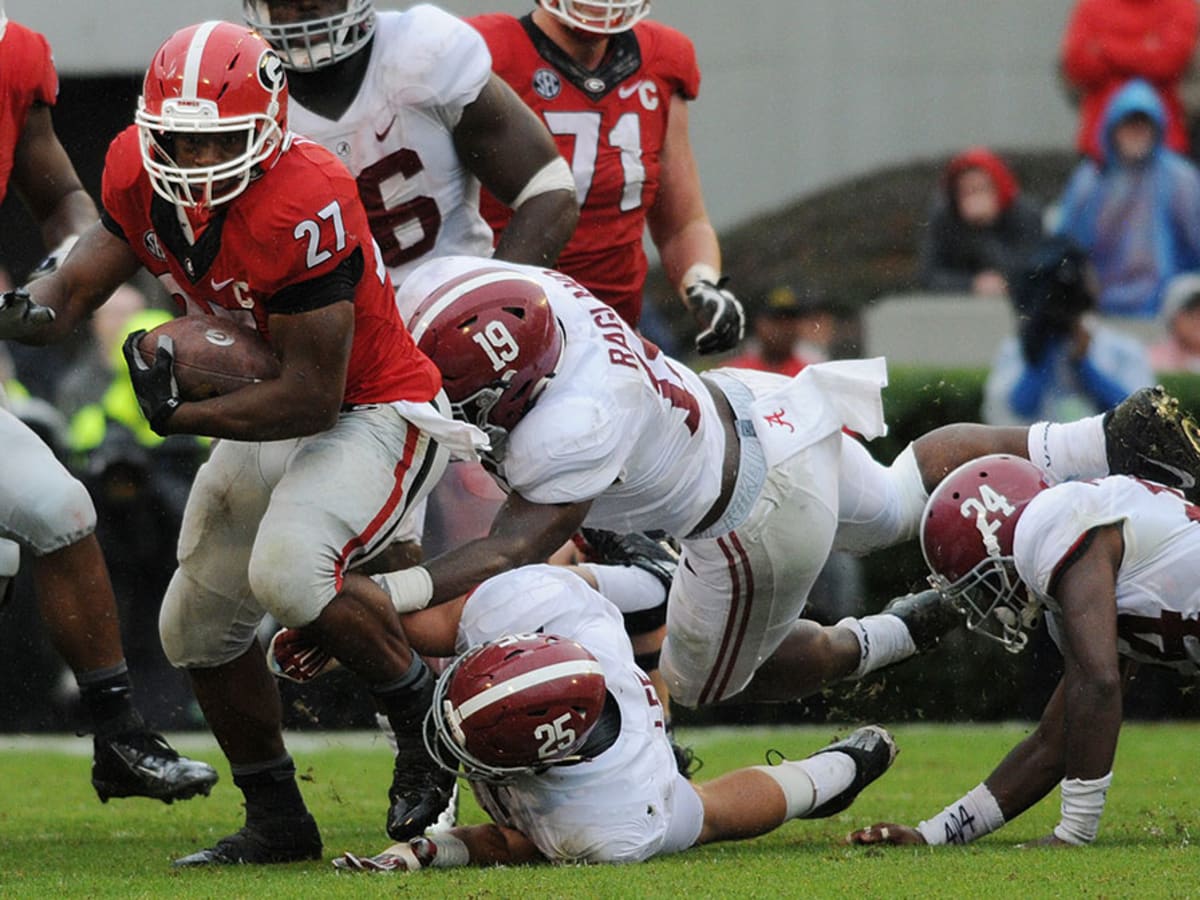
{"x":306,"y":41}
{"x":598,"y":16}
{"x":495,"y":339}
{"x":211,"y":80}
{"x":967,"y":538}
{"x":515,"y":706}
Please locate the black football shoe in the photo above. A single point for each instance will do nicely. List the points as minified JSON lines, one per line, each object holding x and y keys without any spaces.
{"x":142,"y":764}
{"x":420,"y":793}
{"x":873,"y":751}
{"x":928,"y":615}
{"x":1148,"y":436}
{"x":293,"y":839}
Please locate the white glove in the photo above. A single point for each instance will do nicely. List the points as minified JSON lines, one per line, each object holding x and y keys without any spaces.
{"x":396,"y":858}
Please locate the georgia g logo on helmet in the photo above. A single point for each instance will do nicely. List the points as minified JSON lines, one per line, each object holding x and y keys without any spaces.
{"x":270,"y":71}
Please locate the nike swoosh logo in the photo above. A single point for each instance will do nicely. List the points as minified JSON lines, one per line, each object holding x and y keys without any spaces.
{"x":219,"y":285}
{"x":626,"y":92}
{"x":380,"y":135}
{"x":1184,"y":480}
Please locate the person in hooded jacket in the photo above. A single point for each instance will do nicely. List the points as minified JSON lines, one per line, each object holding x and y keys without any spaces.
{"x":1137,"y":212}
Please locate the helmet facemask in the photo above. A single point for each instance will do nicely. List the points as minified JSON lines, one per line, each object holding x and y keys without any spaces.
{"x":995,"y":601}
{"x":204,"y":186}
{"x":598,"y":16}
{"x":316,"y":43}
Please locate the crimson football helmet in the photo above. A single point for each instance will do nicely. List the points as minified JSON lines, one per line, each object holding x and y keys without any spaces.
{"x":967,"y":538}
{"x":495,"y":339}
{"x":312,"y":41}
{"x":217,"y":80}
{"x":598,"y":16}
{"x":515,"y":706}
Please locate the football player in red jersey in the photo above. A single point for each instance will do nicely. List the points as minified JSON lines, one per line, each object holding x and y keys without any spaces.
{"x":43,"y":509}
{"x":240,"y":219}
{"x":613,"y":90}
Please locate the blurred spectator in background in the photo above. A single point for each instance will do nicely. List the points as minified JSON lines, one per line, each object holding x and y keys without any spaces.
{"x":1179,"y":350}
{"x":980,"y":226}
{"x":1108,"y":42}
{"x":791,"y":330}
{"x":90,"y":375}
{"x":1137,"y":213}
{"x":1061,"y":366}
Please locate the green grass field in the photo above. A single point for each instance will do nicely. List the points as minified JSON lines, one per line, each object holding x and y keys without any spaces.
{"x":56,"y":839}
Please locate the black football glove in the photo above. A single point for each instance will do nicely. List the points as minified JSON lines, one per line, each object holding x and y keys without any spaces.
{"x":155,"y":386}
{"x":720,"y":315}
{"x":20,"y":316}
{"x":657,"y":555}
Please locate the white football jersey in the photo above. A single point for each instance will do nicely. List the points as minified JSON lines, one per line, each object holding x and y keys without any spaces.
{"x":396,"y":137}
{"x":620,"y":423}
{"x":616,"y":807}
{"x":1158,"y":584}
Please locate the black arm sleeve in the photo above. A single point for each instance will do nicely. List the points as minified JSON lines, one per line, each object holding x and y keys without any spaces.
{"x":324,"y":290}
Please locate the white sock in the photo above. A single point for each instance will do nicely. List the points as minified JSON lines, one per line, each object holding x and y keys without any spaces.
{"x":882,"y":640}
{"x":808,"y":783}
{"x":1066,"y":450}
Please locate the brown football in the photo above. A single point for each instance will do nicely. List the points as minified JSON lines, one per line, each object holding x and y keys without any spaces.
{"x":213,"y":356}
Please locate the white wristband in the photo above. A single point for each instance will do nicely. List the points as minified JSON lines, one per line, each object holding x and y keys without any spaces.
{"x":1082,"y":804}
{"x":975,"y":815}
{"x":553,"y":176}
{"x":698,"y":272}
{"x":409,"y":589}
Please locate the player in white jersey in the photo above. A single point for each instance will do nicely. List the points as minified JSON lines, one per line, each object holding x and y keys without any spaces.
{"x":1115,"y":564}
{"x":750,"y":471}
{"x":407,"y":100}
{"x":562,"y":737}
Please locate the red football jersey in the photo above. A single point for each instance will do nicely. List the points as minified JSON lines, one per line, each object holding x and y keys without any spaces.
{"x":609,"y":125}
{"x":288,"y":244}
{"x":27,"y":77}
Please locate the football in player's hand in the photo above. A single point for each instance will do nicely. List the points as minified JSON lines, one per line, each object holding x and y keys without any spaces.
{"x":213,"y":356}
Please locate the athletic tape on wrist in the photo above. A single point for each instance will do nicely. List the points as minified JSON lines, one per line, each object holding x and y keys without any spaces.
{"x":977,"y":813}
{"x":409,"y":589}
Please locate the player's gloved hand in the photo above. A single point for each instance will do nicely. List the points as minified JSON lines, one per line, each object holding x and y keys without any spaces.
{"x":53,"y":259}
{"x":292,"y":656}
{"x":405,"y":856}
{"x":20,"y":316}
{"x":720,"y":314}
{"x":657,"y":555}
{"x":155,"y":385}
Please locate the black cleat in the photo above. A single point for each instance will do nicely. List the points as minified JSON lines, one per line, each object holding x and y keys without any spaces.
{"x":420,"y":792}
{"x":927,"y":615}
{"x":1148,"y":436}
{"x":142,"y":764}
{"x":872,"y":750}
{"x":269,"y":841}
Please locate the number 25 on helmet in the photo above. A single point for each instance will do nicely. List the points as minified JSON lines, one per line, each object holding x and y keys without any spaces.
{"x":515,"y":706}
{"x":967,"y":539}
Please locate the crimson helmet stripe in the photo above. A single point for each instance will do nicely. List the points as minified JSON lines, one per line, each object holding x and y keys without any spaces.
{"x":433,"y":305}
{"x":195,"y":56}
{"x":518,"y":683}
